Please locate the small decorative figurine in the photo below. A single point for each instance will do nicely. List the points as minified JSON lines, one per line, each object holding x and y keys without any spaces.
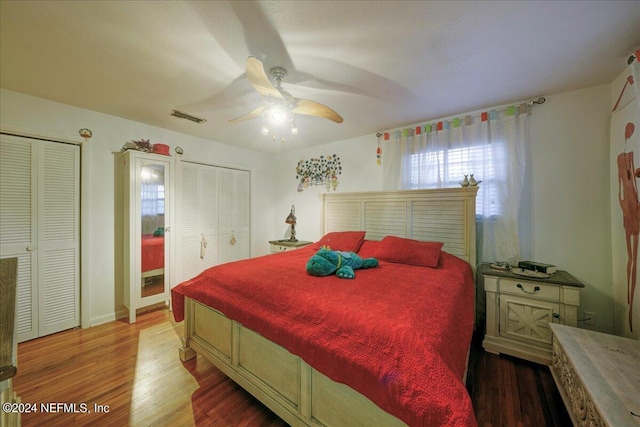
{"x":473,"y":182}
{"x":465,"y":181}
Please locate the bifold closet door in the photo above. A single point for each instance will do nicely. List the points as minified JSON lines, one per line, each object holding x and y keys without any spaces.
{"x":234,"y":222}
{"x":197,"y":219}
{"x":39,"y":224}
{"x":213,"y":217}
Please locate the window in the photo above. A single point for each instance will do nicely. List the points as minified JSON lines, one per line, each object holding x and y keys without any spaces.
{"x":447,"y":168}
{"x":152,"y":189}
{"x":152,"y":199}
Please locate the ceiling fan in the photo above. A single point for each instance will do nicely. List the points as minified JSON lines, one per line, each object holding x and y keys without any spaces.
{"x":281,"y":106}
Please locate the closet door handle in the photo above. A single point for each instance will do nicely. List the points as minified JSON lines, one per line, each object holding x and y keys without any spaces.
{"x":30,"y":248}
{"x":203,"y":245}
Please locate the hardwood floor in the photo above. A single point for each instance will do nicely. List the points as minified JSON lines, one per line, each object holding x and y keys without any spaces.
{"x":507,"y":391}
{"x":135,"y":376}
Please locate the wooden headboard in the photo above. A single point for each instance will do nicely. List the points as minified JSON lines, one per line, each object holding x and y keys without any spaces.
{"x":446,"y":215}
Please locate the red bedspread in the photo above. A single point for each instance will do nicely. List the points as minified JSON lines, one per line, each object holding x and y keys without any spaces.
{"x":152,"y":252}
{"x":398,"y":334}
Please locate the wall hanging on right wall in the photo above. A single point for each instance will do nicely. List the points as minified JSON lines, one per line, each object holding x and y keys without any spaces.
{"x":319,"y":171}
{"x":625,"y":203}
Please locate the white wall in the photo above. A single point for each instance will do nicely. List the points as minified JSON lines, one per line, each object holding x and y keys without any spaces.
{"x":570,"y":193}
{"x":102,"y":296}
{"x":565,"y":217}
{"x":359,"y":173}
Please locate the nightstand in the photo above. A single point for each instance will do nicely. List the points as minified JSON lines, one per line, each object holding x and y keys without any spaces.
{"x":287,"y":245}
{"x":520,"y":309}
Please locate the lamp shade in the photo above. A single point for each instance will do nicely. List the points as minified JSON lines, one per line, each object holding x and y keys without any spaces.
{"x":291,"y":218}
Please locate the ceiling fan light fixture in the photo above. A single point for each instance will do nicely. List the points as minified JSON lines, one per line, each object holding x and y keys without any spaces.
{"x":277,"y":115}
{"x":281,"y":107}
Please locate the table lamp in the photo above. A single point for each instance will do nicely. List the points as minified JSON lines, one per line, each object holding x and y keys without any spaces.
{"x":291,"y":219}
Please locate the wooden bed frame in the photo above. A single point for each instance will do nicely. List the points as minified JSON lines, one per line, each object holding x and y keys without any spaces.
{"x":291,"y":388}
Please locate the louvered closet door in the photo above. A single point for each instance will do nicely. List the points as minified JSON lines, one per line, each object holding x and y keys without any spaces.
{"x":234,"y":223}
{"x":213,"y":217}
{"x":39,"y":212}
{"x":18,"y":235}
{"x":58,"y":236}
{"x":188,"y":238}
{"x":198,"y":219}
{"x":208,"y":216}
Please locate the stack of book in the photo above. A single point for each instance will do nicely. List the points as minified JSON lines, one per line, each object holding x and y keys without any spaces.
{"x":537,"y":266}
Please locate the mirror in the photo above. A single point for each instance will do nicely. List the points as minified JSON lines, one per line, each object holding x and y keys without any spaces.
{"x":152,"y":204}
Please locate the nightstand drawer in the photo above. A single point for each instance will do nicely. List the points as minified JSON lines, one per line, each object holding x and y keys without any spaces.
{"x":530,"y":289}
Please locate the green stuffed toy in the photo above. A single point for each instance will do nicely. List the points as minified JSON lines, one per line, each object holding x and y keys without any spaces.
{"x":326,"y":262}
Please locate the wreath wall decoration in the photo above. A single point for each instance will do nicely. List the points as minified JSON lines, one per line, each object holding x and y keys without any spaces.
{"x":319,"y":171}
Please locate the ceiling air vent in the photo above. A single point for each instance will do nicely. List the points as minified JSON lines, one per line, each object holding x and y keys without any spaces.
{"x":181,"y":115}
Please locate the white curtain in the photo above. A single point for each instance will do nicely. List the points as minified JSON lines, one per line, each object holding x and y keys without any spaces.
{"x":491,"y":146}
{"x":635,"y":71}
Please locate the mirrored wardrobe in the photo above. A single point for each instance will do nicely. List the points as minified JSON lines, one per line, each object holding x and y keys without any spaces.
{"x":148,"y":219}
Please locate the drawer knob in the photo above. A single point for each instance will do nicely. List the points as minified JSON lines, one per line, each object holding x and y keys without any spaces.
{"x":536,"y":289}
{"x":556,"y":315}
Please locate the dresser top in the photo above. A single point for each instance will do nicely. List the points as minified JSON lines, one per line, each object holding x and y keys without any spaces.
{"x":608,"y":366}
{"x":560,"y":277}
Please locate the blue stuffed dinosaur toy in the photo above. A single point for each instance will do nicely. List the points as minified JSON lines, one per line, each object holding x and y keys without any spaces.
{"x":326,"y":262}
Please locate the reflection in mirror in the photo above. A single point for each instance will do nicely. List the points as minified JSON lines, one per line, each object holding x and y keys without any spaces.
{"x":152,"y":188}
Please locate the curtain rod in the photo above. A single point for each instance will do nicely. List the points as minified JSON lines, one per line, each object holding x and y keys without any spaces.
{"x":531,"y":102}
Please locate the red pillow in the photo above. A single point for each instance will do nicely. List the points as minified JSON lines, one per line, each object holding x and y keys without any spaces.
{"x":348,"y":241}
{"x":369,"y":248}
{"x":408,"y":251}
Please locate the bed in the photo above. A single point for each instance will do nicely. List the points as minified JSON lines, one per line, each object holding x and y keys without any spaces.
{"x":387,"y":348}
{"x":152,"y":255}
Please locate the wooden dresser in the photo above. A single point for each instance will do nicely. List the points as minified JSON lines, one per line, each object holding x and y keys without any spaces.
{"x":598,"y":376}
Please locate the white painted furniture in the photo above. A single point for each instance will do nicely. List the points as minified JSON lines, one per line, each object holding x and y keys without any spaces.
{"x":8,"y":342}
{"x":292,"y":389}
{"x":286,"y":245}
{"x":147,"y":209}
{"x":214,"y":217}
{"x":520,"y":309}
{"x":598,"y":376}
{"x":40,"y":225}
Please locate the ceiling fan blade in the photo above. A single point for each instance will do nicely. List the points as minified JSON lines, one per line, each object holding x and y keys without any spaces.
{"x":259,"y":80}
{"x":312,"y":108}
{"x":252,"y":114}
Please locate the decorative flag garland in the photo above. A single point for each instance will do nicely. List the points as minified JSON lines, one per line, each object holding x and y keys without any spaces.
{"x":485,"y":116}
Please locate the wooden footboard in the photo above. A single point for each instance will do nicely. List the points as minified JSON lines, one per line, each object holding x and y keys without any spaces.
{"x":292,"y":389}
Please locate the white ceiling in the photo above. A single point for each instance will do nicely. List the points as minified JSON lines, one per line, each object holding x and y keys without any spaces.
{"x":380,"y":64}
